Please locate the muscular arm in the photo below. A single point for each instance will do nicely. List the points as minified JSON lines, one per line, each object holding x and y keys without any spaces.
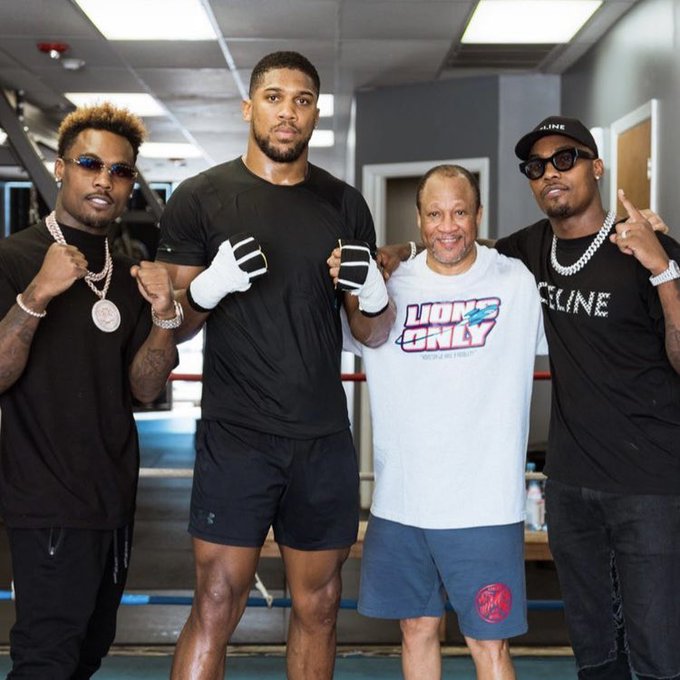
{"x":636,"y":237}
{"x":182,"y":276}
{"x":669,"y":295}
{"x":154,"y":360}
{"x":16,"y":336}
{"x":152,"y":364}
{"x":371,"y":331}
{"x":61,"y":266}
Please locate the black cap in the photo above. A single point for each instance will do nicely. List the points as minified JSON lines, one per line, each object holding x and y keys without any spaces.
{"x":556,"y":125}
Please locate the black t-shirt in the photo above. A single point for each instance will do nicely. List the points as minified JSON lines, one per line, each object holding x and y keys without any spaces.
{"x":272,"y":354}
{"x":68,"y":446}
{"x":615,"y":418}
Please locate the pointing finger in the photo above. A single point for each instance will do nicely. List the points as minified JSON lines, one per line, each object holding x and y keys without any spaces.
{"x":633,"y":213}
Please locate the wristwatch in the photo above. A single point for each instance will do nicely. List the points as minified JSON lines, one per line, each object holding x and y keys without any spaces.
{"x":169,"y":324}
{"x":673,"y":272}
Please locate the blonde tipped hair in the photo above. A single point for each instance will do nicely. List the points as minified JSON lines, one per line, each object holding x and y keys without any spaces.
{"x":103,"y":116}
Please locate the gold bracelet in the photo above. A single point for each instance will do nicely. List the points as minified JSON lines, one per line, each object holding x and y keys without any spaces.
{"x":30,"y":312}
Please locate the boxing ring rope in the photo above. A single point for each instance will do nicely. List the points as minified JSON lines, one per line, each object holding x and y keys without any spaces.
{"x":267,"y":600}
{"x":188,"y":473}
{"x":137,"y":599}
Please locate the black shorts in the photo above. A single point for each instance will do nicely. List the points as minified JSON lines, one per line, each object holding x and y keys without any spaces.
{"x":246,"y":481}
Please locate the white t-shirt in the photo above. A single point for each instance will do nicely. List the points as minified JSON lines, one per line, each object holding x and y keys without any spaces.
{"x":450,"y":392}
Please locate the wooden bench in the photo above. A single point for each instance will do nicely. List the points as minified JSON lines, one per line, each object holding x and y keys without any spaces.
{"x":535,"y":545}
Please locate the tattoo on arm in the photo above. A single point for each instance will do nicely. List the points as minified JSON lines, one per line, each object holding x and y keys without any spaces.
{"x":150,"y":370}
{"x":16,"y":336}
{"x":153,"y":363}
{"x":673,"y":346}
{"x":672,"y":319}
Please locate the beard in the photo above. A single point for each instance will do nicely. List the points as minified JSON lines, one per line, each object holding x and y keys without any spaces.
{"x":559,"y":212}
{"x":98,"y":224}
{"x":87,"y":218}
{"x":281,"y":155}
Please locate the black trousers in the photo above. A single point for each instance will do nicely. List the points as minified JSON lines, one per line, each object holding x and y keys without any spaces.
{"x":68,"y":584}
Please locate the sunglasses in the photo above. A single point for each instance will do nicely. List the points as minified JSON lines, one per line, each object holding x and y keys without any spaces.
{"x":562,"y":161}
{"x":95,"y":166}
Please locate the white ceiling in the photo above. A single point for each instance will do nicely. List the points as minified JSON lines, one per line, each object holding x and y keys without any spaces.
{"x":355,"y":44}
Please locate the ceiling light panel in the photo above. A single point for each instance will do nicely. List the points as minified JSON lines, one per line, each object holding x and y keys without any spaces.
{"x":322,"y":138}
{"x":326,"y":105}
{"x":149,"y":19}
{"x":169,"y":150}
{"x":528,"y":21}
{"x":139,"y":103}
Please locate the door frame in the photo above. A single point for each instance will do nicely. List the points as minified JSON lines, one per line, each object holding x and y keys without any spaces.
{"x":648,"y":110}
{"x":374,"y":186}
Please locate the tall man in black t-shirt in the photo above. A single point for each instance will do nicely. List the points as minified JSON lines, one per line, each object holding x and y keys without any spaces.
{"x":78,"y":339}
{"x":611,"y":301}
{"x":249,"y":240}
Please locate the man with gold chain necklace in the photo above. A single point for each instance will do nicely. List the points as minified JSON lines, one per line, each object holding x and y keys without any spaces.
{"x":82,"y":332}
{"x":611,"y":303}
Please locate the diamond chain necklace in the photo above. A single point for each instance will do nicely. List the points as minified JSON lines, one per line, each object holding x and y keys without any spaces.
{"x":583,"y":260}
{"x":106,"y":273}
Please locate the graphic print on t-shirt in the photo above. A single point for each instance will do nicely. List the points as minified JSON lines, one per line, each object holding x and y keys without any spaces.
{"x":574,"y":301}
{"x":449,"y":325}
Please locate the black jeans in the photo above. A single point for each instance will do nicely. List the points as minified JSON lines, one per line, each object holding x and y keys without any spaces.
{"x":618,"y":562}
{"x":68,"y":584}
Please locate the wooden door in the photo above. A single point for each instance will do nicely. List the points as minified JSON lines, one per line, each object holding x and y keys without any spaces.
{"x":633,"y":170}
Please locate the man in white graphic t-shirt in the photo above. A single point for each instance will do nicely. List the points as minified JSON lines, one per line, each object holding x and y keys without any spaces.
{"x":450,"y":392}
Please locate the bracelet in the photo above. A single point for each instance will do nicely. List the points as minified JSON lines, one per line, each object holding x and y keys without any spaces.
{"x":414,"y":250}
{"x":169,"y":324}
{"x":30,"y":312}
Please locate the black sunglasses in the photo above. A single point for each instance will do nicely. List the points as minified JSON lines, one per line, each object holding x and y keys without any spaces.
{"x":562,"y":160}
{"x":94,"y":165}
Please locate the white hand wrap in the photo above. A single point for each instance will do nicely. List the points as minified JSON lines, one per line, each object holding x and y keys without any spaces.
{"x":227,"y":274}
{"x":372,"y":295}
{"x":359,"y":275}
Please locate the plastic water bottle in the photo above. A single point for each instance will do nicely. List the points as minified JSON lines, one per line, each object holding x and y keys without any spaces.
{"x":534,"y":508}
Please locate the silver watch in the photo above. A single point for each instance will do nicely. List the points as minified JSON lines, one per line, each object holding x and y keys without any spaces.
{"x":672,"y":272}
{"x":169,"y":324}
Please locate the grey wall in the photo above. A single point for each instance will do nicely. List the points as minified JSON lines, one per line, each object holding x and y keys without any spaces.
{"x":523,"y":102}
{"x":455,"y":118}
{"x":637,"y":60}
{"x":460,"y":118}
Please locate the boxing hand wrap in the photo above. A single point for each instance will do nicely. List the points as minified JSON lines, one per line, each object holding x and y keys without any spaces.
{"x":360,"y":276}
{"x":239,"y":260}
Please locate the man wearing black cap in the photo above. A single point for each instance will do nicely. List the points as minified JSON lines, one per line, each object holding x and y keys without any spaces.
{"x":611,"y":300}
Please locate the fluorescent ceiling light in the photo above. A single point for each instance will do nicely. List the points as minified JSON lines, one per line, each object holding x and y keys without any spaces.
{"x":138,"y":102}
{"x":149,"y":19}
{"x":325,"y":104}
{"x":3,"y":136}
{"x":528,"y":21}
{"x":169,"y":150}
{"x":322,"y":138}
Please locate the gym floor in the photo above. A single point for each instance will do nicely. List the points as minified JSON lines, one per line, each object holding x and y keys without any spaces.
{"x":162,"y":564}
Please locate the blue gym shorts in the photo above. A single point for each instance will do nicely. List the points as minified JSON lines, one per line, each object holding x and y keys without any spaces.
{"x":407,"y":572}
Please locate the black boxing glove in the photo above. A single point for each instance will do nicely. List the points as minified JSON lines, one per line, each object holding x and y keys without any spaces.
{"x":359,"y":275}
